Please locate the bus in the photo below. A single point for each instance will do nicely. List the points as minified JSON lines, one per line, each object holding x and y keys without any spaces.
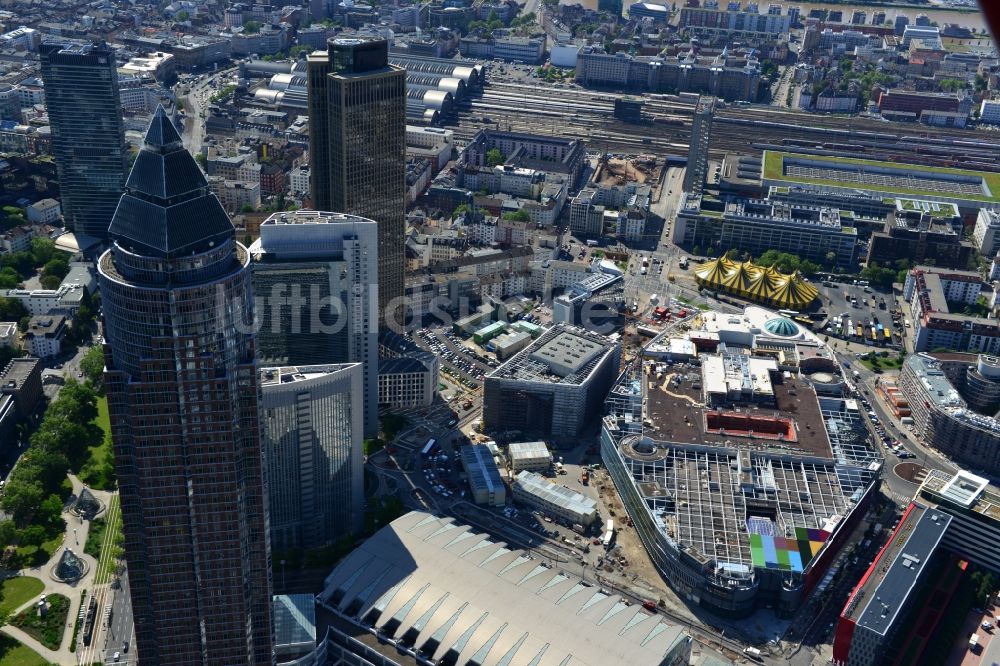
{"x":428,"y":447}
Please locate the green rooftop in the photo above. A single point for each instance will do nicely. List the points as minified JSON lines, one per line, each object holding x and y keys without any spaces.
{"x":774,"y":170}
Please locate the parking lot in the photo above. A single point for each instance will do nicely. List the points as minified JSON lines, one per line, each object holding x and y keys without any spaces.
{"x":855,"y":303}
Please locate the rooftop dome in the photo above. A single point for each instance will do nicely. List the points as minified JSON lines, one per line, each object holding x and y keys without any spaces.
{"x":782,"y":327}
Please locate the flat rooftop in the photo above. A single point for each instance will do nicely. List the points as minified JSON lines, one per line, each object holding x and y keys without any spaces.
{"x":567,"y":353}
{"x":562,"y":354}
{"x":17,"y":371}
{"x":882,"y":592}
{"x":538,"y":486}
{"x":289,"y":374}
{"x":894,"y":178}
{"x":677,"y":413}
{"x":966,"y":490}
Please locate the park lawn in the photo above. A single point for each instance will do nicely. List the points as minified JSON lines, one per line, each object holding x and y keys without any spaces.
{"x":106,"y":555}
{"x":13,"y":653}
{"x":46,"y":630}
{"x":97,"y":472}
{"x":37,"y":556}
{"x":17,"y":591}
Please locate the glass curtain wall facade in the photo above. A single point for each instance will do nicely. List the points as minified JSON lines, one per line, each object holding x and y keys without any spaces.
{"x":357,"y":147}
{"x":313,"y":440}
{"x":88,"y":138}
{"x":183,"y":398}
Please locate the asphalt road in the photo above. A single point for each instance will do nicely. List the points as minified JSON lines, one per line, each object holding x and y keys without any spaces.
{"x":121,"y":628}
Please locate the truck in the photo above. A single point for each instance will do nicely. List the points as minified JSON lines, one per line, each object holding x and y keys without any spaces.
{"x":683,"y":263}
{"x":974,"y":642}
{"x":645,"y":262}
{"x":753,"y":653}
{"x":591,"y":243}
{"x":585,"y":477}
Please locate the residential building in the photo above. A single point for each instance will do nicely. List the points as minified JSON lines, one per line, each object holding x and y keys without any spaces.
{"x":197,"y":548}
{"x":88,"y":139}
{"x":45,"y":334}
{"x":554,"y":386}
{"x":298,"y":181}
{"x":312,"y":435}
{"x":733,"y":21}
{"x":720,"y":76}
{"x":929,"y":290}
{"x":357,"y":148}
{"x":484,"y":476}
{"x":530,"y":456}
{"x":414,"y":593}
{"x":947,"y":394}
{"x":315,"y":281}
{"x":987,"y":231}
{"x":234,"y":194}
{"x":553,"y":499}
{"x":406,"y":382}
{"x":45,"y":211}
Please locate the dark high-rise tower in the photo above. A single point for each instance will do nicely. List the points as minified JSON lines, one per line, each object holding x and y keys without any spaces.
{"x":357,"y":146}
{"x":88,"y":140}
{"x":183,"y":396}
{"x":701,"y":136}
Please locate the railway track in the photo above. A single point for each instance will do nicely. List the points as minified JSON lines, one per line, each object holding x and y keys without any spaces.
{"x":576,"y":113}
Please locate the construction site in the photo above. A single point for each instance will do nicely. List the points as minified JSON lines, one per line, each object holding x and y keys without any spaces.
{"x":641,"y":169}
{"x":742,"y":487}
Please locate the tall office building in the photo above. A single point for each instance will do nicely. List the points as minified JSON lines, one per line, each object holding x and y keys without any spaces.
{"x":357,"y":146}
{"x":701,"y":134}
{"x":88,"y":139}
{"x":183,"y":393}
{"x":315,"y":282}
{"x":311,"y":418}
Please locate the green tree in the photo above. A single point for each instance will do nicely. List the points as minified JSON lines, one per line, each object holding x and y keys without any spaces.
{"x":22,"y":262}
{"x":9,"y":279}
{"x":251,"y":27}
{"x":8,"y":532}
{"x":11,"y":309}
{"x":50,"y":512}
{"x":183,"y":16}
{"x":519,"y":215}
{"x":43,"y":250}
{"x":952,"y":85}
{"x":33,"y":535}
{"x":92,"y":366}
{"x":57,"y":267}
{"x":494,"y":157}
{"x":50,"y":281}
{"x":831,"y":258}
{"x":20,"y":497}
{"x":201,"y":160}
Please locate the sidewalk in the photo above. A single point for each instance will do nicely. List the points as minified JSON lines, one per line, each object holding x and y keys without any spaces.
{"x":73,"y":591}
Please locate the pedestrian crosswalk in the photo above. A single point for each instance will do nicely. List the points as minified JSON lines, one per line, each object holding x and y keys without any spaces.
{"x":900,"y":498}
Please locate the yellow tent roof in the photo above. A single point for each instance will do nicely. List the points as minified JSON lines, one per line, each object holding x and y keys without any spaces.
{"x":756,"y":283}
